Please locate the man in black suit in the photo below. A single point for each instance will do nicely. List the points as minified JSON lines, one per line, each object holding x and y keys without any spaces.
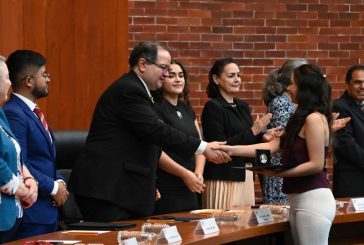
{"x":115,"y":177}
{"x":348,"y":177}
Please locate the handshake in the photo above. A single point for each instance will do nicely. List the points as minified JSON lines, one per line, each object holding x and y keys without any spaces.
{"x":219,"y":152}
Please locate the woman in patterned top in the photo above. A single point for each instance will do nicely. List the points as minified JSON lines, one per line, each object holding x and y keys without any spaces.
{"x":278,"y":101}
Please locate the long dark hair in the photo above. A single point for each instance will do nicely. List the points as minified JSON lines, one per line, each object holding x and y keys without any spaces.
{"x":184,"y":96}
{"x":313,"y":94}
{"x":217,"y":69}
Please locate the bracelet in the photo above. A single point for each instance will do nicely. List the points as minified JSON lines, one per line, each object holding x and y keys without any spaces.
{"x":29,"y":177}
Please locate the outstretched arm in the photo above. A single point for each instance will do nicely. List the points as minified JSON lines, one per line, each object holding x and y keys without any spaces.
{"x":316,"y":133}
{"x":249,"y":150}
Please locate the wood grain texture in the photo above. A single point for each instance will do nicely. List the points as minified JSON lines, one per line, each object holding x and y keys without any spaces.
{"x":86,"y":46}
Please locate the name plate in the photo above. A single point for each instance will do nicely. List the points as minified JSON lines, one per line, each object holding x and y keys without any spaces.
{"x":207,"y":226}
{"x":356,"y":204}
{"x":261,"y":215}
{"x":170,"y":234}
{"x":130,"y":241}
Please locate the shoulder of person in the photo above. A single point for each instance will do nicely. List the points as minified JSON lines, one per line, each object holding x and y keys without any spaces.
{"x":212,"y":108}
{"x":279,"y":99}
{"x":14,"y":109}
{"x":129,"y":83}
{"x":242,"y":105}
{"x":241,"y":102}
{"x":213,"y":103}
{"x":339,"y":101}
{"x":315,"y":118}
{"x":343,"y":107}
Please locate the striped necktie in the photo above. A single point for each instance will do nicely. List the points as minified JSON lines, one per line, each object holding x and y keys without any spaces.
{"x":41,"y":117}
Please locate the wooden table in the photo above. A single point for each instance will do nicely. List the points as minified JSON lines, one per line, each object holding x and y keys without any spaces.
{"x":229,"y":232}
{"x":342,"y":232}
{"x":348,"y":227}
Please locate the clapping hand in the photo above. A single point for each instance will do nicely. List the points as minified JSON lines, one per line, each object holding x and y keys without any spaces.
{"x":273,"y":133}
{"x":261,"y":123}
{"x":339,"y":123}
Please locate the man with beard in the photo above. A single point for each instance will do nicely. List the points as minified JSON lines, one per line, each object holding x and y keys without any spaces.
{"x":30,"y":81}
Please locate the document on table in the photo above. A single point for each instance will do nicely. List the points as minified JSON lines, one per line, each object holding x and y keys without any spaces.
{"x":84,"y":232}
{"x":60,"y":241}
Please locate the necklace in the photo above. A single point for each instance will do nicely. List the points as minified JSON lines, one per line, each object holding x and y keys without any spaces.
{"x":175,"y":107}
{"x":179,"y":114}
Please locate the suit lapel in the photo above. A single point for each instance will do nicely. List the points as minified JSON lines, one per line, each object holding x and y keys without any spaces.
{"x":142,"y":86}
{"x":244,"y":114}
{"x":31,"y":115}
{"x":353,"y":105}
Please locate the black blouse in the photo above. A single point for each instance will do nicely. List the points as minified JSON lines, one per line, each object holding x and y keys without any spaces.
{"x":182,"y":118}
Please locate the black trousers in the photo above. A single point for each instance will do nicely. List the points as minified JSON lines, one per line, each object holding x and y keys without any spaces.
{"x":102,"y":211}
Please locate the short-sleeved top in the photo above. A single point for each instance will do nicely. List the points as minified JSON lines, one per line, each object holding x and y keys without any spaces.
{"x":182,"y":118}
{"x":298,"y":154}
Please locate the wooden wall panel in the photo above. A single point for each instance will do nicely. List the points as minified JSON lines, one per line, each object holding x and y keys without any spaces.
{"x":85,"y":43}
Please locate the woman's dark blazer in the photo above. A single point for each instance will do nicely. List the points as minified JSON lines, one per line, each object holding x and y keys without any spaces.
{"x":222,"y":121}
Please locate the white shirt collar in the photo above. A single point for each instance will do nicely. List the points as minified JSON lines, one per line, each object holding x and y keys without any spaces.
{"x":27,"y":101}
{"x":146,"y":87}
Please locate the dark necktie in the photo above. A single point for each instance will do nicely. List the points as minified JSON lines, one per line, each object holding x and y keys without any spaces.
{"x":41,"y":117}
{"x":361,"y":105}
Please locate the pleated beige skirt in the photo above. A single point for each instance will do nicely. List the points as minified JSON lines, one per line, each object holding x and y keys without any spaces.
{"x":226,"y":194}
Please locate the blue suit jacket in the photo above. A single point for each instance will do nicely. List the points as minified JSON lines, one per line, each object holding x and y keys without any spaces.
{"x":39,"y":155}
{"x":8,"y":167}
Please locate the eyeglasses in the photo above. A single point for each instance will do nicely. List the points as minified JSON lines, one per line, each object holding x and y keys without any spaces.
{"x":45,"y":75}
{"x":357,"y":82}
{"x":165,"y":68}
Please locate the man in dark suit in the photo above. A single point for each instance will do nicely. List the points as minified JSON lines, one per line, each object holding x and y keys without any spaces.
{"x":115,"y":177}
{"x":30,"y":83}
{"x":348,"y":176}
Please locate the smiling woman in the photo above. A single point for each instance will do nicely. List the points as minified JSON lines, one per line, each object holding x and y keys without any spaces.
{"x":226,"y":118}
{"x":178,"y":187}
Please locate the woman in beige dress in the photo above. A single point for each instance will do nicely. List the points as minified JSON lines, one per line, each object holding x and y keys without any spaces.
{"x":227,"y":118}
